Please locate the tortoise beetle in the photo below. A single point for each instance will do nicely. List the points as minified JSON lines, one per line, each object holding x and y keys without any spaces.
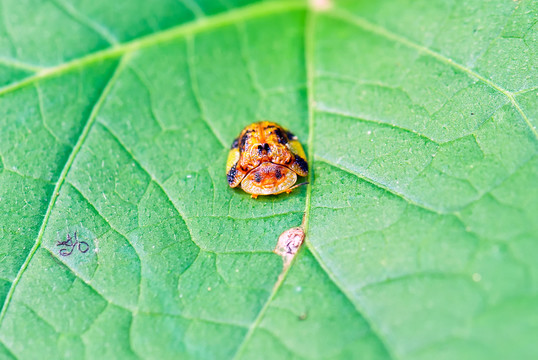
{"x":265,"y":159}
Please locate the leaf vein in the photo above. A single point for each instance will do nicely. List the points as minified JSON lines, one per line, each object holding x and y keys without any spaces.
{"x":324,"y":109}
{"x":243,"y":43}
{"x":20,"y":65}
{"x":379,"y":30}
{"x":85,"y":21}
{"x":113,"y":229}
{"x":191,"y":64}
{"x":5,"y":24}
{"x":145,"y":84}
{"x":350,"y":298}
{"x":309,"y":60}
{"x":153,"y":178}
{"x":379,"y":185}
{"x":63,"y":175}
{"x":87,"y":283}
{"x":44,"y":118}
{"x":215,"y":21}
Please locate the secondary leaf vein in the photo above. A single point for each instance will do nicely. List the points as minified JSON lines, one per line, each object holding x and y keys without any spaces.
{"x":376,"y":29}
{"x":63,"y":175}
{"x":379,"y":185}
{"x":207,"y":23}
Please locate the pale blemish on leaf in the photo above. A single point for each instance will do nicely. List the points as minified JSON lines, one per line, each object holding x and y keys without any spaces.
{"x":288,"y":243}
{"x":320,"y":5}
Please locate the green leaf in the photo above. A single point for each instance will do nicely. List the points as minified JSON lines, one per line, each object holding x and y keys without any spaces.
{"x":419,"y":121}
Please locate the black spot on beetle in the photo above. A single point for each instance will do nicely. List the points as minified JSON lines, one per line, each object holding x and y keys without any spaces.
{"x":302,"y":163}
{"x":257,"y":177}
{"x":244,"y":140}
{"x":282,"y":139}
{"x":265,"y":147}
{"x":278,"y":174}
{"x":232,"y":173}
{"x":235,"y":144}
{"x":291,"y":136}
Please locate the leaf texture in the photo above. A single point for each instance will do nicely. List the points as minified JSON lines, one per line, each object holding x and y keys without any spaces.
{"x":419,"y":121}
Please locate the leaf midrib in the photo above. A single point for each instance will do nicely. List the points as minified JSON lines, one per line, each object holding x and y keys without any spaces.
{"x":309,"y":64}
{"x":123,"y":50}
{"x":309,"y":60}
{"x":373,"y":28}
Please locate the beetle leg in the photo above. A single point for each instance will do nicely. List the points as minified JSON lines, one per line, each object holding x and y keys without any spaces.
{"x":296,"y":186}
{"x":254,"y":196}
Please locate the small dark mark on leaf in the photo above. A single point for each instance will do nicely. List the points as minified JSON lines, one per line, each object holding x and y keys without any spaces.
{"x":71,"y":243}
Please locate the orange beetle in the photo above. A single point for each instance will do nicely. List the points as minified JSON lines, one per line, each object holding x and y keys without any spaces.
{"x":265,"y":159}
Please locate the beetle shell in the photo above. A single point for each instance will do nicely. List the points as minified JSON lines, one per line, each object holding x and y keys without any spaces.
{"x":265,"y":159}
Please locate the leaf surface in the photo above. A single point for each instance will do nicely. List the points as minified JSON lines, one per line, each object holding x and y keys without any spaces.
{"x":418,"y":118}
